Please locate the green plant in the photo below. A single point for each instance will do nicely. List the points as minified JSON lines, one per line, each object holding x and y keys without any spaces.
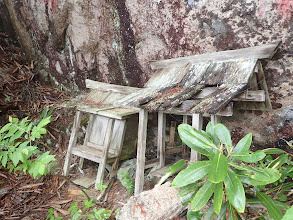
{"x":17,"y":148}
{"x":87,"y":212}
{"x":229,"y":177}
{"x":125,"y":179}
{"x":101,"y":186}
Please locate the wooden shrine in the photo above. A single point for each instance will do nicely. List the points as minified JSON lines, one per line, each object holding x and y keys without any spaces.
{"x":105,"y":130}
{"x":207,"y":85}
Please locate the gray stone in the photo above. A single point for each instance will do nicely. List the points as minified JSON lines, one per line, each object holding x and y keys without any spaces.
{"x":160,"y":203}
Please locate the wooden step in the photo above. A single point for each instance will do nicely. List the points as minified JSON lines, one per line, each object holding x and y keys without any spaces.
{"x":91,"y":153}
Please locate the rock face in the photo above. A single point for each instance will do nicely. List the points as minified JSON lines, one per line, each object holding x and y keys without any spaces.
{"x":160,"y":203}
{"x":114,"y":40}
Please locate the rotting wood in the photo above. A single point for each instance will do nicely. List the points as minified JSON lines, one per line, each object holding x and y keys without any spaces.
{"x":258,"y":52}
{"x":141,"y":148}
{"x":246,"y":96}
{"x":106,"y":147}
{"x":161,"y":138}
{"x":197,"y":123}
{"x":253,"y":105}
{"x":184,"y":146}
{"x":91,"y":84}
{"x":218,"y":99}
{"x":72,"y":142}
{"x":172,"y":133}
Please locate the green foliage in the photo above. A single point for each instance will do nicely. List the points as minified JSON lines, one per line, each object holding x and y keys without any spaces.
{"x":126,"y":181}
{"x":87,"y":212}
{"x":225,"y":175}
{"x":101,"y":186}
{"x":18,"y":150}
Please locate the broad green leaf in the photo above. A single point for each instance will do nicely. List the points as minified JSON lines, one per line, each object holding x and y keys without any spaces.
{"x":11,"y":131}
{"x":223,"y":133}
{"x":44,"y":122}
{"x":210,"y":130}
{"x":42,"y":131}
{"x":15,"y":157}
{"x":273,"y":151}
{"x":279,"y":161}
{"x":186,"y":199}
{"x":195,"y":139}
{"x":235,"y":191}
{"x":250,"y":157}
{"x":272,"y":208}
{"x":202,"y":196}
{"x":268,"y":175}
{"x":5,"y":128}
{"x":195,"y":171}
{"x":242,"y":145}
{"x":172,"y":169}
{"x":288,"y":215}
{"x":218,"y":197}
{"x":187,"y":189}
{"x":4,"y":159}
{"x":192,"y":215}
{"x":218,"y":168}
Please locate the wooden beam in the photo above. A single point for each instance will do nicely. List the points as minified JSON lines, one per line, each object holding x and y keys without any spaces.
{"x":197,"y":123}
{"x":215,"y":119}
{"x":258,"y":52}
{"x":141,"y":147}
{"x":72,"y":142}
{"x":247,"y":96}
{"x":184,"y":147}
{"x":161,"y":138}
{"x":105,"y":151}
{"x":91,"y":84}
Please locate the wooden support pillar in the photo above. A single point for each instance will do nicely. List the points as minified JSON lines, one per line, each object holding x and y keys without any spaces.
{"x":141,"y":147}
{"x":161,"y":138}
{"x":184,"y":147}
{"x":215,"y":119}
{"x":106,"y":147}
{"x":197,"y":122}
{"x":72,"y":142}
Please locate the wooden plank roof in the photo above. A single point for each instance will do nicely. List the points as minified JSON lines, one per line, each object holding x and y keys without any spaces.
{"x":258,"y":52}
{"x":170,"y":87}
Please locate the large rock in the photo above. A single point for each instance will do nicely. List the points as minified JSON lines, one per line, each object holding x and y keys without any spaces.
{"x":160,"y":203}
{"x":114,"y":40}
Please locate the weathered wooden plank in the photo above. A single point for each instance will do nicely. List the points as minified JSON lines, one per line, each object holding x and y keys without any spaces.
{"x":172,"y":133}
{"x":118,"y":113}
{"x":184,"y":146}
{"x":105,"y":151}
{"x":186,"y":105}
{"x":72,"y":142}
{"x":218,"y":99}
{"x":91,"y":84}
{"x":197,"y":123}
{"x":215,"y":119}
{"x":229,"y":72}
{"x":151,"y":163}
{"x":167,"y":77}
{"x":141,"y":147}
{"x":161,"y":138}
{"x":262,"y":106}
{"x":258,"y":52}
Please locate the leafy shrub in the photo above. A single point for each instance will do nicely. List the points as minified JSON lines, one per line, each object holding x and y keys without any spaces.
{"x":230,"y":177}
{"x":18,"y":150}
{"x":126,"y":181}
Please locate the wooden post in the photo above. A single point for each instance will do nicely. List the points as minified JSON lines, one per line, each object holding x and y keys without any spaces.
{"x":72,"y":142}
{"x":161,"y":138}
{"x":184,"y":147}
{"x":197,"y":122}
{"x":215,"y":119}
{"x":141,"y":147}
{"x":87,"y":136}
{"x":106,"y":147}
